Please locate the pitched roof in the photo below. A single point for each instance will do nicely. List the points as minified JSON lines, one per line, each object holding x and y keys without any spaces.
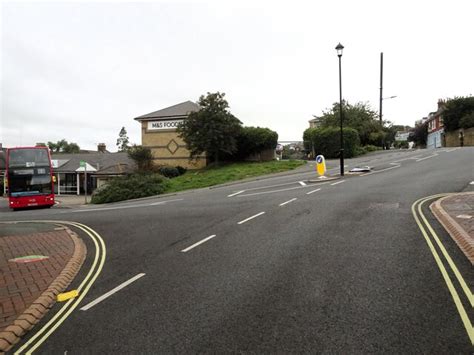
{"x":104,"y":163}
{"x":175,"y":111}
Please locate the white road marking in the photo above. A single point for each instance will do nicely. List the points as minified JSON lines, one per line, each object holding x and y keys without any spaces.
{"x":163,"y":202}
{"x":302,"y":183}
{"x":235,"y":193}
{"x":121,"y":207}
{"x":309,"y":193}
{"x":284,"y":203}
{"x":111,"y":292}
{"x":471,"y":183}
{"x":248,"y":219}
{"x":379,"y":171}
{"x":336,"y":183}
{"x":271,"y":192}
{"x":428,"y":157}
{"x":410,"y":158}
{"x":464,"y":216}
{"x":451,"y":150}
{"x":198,"y":243}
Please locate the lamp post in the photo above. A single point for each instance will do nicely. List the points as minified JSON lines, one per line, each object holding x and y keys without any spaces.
{"x":339,"y":49}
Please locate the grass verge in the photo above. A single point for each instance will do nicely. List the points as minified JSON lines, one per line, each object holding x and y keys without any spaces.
{"x":226,"y":173}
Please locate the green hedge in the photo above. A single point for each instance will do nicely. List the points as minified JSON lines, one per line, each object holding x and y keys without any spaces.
{"x":129,"y":187}
{"x":252,"y":140}
{"x":326,"y":141}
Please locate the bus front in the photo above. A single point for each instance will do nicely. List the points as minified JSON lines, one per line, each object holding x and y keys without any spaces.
{"x":29,"y":177}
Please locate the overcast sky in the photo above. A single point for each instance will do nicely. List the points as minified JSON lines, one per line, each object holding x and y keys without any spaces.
{"x":82,"y":70}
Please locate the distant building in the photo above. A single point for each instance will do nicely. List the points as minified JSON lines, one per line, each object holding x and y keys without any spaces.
{"x":100,"y":166}
{"x":315,"y":122}
{"x":436,"y":138}
{"x":401,"y":136}
{"x":159,"y":134}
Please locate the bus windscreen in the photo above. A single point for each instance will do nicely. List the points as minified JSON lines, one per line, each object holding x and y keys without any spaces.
{"x":28,"y":158}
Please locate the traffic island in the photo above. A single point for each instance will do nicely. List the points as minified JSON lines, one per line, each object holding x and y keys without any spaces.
{"x":456,"y":214}
{"x":36,"y":267}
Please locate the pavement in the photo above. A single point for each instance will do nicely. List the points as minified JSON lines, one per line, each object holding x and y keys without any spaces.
{"x":456,"y":214}
{"x":275,"y":265}
{"x":36,"y":265}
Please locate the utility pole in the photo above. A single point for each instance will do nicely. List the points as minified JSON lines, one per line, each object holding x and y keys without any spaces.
{"x":381,"y":86}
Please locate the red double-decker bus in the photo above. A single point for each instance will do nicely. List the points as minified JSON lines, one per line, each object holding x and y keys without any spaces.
{"x":29,"y":177}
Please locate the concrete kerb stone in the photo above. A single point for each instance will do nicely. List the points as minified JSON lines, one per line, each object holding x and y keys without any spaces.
{"x":33,"y":314}
{"x":459,"y":235}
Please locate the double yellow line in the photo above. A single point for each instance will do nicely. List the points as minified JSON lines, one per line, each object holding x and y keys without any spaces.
{"x":422,"y":222}
{"x":99,"y":259}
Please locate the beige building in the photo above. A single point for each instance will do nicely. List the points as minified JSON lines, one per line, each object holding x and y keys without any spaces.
{"x":159,"y":134}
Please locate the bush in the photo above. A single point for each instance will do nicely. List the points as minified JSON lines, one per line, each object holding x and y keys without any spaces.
{"x":253,"y":140}
{"x":371,"y":148}
{"x":326,"y":141}
{"x":400,"y":144}
{"x":169,"y":171}
{"x":128,"y":187}
{"x":181,"y":170}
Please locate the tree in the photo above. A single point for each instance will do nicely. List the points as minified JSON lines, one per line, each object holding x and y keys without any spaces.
{"x":359,"y":117}
{"x":420,"y":134}
{"x":142,"y":156}
{"x":63,"y":146}
{"x":122,"y":141}
{"x":455,"y":110}
{"x":212,"y":129}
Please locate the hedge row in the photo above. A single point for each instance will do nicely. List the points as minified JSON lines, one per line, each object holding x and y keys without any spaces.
{"x":326,"y":141}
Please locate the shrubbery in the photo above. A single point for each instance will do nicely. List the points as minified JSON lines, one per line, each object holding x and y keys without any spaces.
{"x":326,"y":141}
{"x":252,"y":140}
{"x":129,"y":187}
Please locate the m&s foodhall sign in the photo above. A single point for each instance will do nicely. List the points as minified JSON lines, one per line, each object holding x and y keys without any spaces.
{"x":157,"y":125}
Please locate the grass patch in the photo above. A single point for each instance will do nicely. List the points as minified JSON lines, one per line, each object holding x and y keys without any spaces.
{"x":236,"y":171}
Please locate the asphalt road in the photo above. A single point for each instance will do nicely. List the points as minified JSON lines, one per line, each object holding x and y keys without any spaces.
{"x":343,"y":269}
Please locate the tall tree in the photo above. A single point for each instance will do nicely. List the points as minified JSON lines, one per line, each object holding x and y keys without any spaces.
{"x":360,"y":117}
{"x":63,"y":146}
{"x":212,"y":129}
{"x":455,"y":110}
{"x":122,"y":141}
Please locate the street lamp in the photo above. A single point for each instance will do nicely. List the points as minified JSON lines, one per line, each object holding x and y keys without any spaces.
{"x":339,"y":49}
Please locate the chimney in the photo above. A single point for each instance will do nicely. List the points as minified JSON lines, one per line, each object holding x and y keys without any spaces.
{"x":101,"y":148}
{"x":440,"y":103}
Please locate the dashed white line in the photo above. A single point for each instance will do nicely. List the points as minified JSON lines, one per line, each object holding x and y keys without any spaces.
{"x":248,"y":219}
{"x":284,"y":203}
{"x":198,"y":243}
{"x":379,"y":171}
{"x":309,"y":193}
{"x":111,"y":292}
{"x":336,"y":183}
{"x":428,"y":157}
{"x":302,"y":183}
{"x":236,"y":193}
